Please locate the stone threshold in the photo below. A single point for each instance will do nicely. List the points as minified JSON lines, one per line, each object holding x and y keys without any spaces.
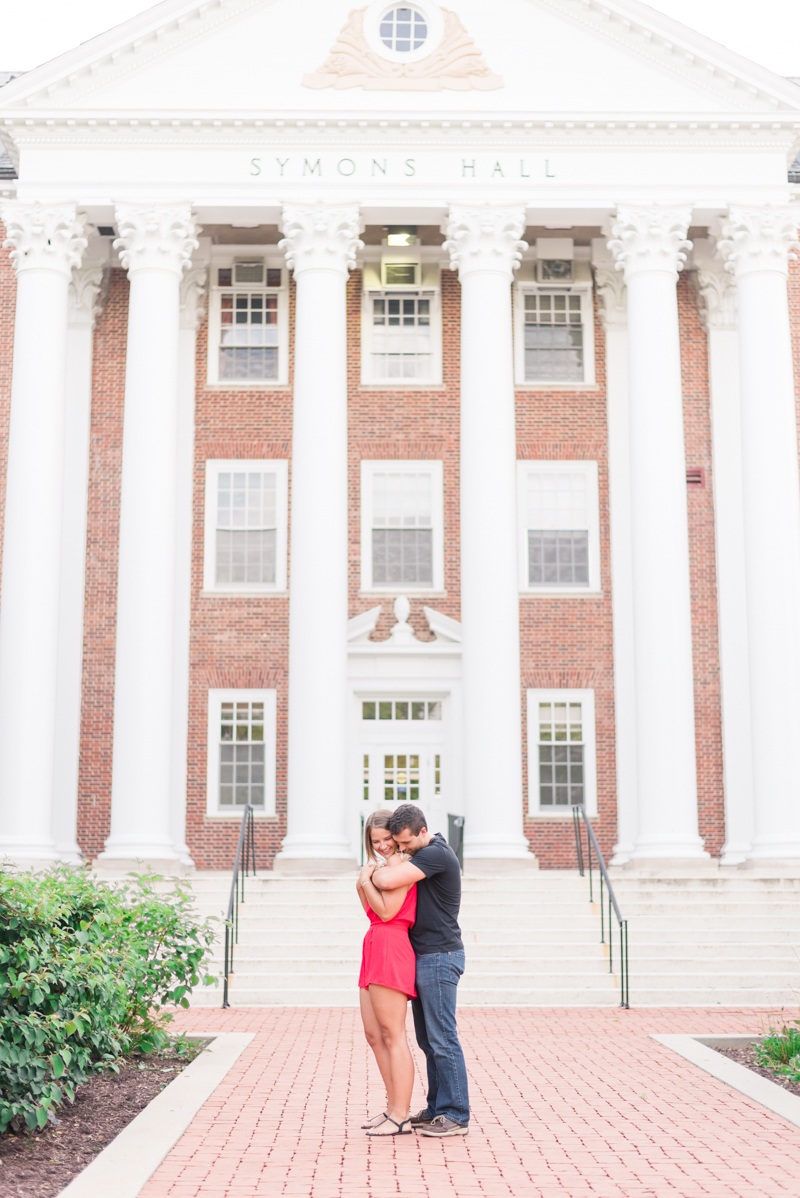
{"x":126,"y":1165}
{"x":700,"y":1049}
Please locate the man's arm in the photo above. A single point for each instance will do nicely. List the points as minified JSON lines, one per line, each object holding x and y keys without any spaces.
{"x":389,"y":877}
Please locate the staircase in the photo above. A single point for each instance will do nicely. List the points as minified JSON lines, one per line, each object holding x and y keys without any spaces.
{"x":531,"y":940}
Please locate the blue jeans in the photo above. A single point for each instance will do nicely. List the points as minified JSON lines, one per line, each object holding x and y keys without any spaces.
{"x":434,"y":1011}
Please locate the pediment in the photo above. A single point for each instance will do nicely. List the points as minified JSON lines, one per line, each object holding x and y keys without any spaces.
{"x":512,"y":57}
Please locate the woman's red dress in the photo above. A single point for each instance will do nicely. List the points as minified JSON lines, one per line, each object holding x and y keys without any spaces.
{"x":387,"y":958}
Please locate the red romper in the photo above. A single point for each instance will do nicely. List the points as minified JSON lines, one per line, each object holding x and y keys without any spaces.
{"x":387,"y":958}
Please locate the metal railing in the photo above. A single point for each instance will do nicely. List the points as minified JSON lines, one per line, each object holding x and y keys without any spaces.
{"x":579,"y":814}
{"x":455,"y":837}
{"x":245,"y":856}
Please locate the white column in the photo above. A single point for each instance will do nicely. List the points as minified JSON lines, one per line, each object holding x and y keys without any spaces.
{"x":47,"y":242}
{"x":610,"y":286}
{"x":755,"y":243}
{"x":155,"y":244}
{"x":649,"y":244}
{"x":718,"y":294}
{"x":485,"y":248}
{"x":84,"y":307}
{"x":320,"y":243}
{"x":193,"y":286}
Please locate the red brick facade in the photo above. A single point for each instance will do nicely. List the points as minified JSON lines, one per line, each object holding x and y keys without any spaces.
{"x":242,"y":641}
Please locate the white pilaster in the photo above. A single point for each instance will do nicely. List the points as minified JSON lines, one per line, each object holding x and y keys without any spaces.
{"x":649,"y":245}
{"x":155,"y":243}
{"x":485,"y":248}
{"x":755,"y":244}
{"x":47,"y":241}
{"x":85,"y":305}
{"x":718,"y":294}
{"x":610,"y":286}
{"x":320,"y":243}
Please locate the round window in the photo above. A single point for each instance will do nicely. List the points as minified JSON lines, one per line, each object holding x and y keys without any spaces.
{"x":403,"y":30}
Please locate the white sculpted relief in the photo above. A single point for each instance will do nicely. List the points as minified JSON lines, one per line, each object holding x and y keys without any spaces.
{"x":456,"y":64}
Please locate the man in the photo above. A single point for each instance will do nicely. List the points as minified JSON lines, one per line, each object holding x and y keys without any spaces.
{"x":436,"y":940}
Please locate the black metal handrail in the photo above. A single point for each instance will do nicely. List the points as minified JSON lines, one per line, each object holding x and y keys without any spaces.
{"x":245,"y":856}
{"x":579,"y":813}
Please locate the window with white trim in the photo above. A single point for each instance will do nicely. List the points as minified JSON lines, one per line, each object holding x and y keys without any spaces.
{"x":554,"y":335}
{"x":242,"y":729}
{"x":248,"y":325}
{"x":245,"y":526}
{"x":562,"y":769}
{"x":401,"y":526}
{"x":559,"y":533}
{"x":401,"y":335}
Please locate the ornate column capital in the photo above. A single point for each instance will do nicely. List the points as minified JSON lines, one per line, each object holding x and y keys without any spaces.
{"x":758,"y":239}
{"x":193,"y":296}
{"x":88,"y":286}
{"x":155,"y":236}
{"x":716,"y":288}
{"x":485,"y":237}
{"x":44,"y":236}
{"x":650,"y":238}
{"x":320,"y":236}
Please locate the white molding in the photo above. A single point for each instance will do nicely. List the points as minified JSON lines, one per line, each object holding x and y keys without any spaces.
{"x":589,"y":470}
{"x":267,"y":696}
{"x":585,"y":697}
{"x":444,"y":628}
{"x":372,"y":466}
{"x":359,"y":627}
{"x":215,"y":466}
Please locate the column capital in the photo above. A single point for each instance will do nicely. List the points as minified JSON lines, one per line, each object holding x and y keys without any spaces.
{"x":651,"y":238}
{"x":89,"y":285}
{"x":193,"y":296}
{"x":155,"y":236}
{"x":320,"y":236}
{"x":485,"y":237}
{"x":44,"y":236}
{"x":758,"y":239}
{"x":716,"y":289}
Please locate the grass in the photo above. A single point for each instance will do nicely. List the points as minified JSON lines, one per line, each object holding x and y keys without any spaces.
{"x":780,"y":1051}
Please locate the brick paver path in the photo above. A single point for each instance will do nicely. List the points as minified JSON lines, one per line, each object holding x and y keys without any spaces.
{"x":573,"y":1103}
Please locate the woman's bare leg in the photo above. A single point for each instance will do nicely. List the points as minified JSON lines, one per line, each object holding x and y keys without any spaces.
{"x":389,"y":1009}
{"x":375,"y":1040}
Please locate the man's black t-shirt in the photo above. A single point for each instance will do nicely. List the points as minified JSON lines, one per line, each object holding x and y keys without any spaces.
{"x":436,"y":927}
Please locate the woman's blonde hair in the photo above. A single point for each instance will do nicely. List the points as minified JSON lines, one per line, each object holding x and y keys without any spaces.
{"x":378,"y":819}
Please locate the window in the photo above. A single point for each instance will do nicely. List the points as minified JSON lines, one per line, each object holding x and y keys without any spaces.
{"x":401,"y":709}
{"x":248,"y":337}
{"x":241,"y":752}
{"x":401,"y":526}
{"x":403,"y":30}
{"x":245,"y":526}
{"x":559,"y":527}
{"x":401,"y":332}
{"x":561,"y":752}
{"x":554,"y":340}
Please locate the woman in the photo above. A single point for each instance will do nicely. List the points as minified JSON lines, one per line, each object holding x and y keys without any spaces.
{"x":386,"y":982}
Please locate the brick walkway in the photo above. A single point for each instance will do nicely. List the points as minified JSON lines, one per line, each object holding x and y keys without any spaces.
{"x":565,"y":1104}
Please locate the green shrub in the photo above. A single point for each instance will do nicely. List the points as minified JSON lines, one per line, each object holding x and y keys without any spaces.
{"x":86,"y":972}
{"x":780,"y":1052}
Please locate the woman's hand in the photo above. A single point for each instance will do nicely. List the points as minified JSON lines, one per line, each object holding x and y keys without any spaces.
{"x":366,"y":873}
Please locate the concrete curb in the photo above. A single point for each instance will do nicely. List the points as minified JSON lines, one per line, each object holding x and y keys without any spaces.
{"x":130,"y":1160}
{"x":700,"y":1049}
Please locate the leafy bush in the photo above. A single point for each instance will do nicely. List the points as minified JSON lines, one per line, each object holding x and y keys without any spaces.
{"x":780,"y":1051}
{"x":86,"y":971}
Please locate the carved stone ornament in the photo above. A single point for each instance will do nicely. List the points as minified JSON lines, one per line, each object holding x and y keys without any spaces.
{"x":653,"y":238}
{"x":44,"y":236}
{"x":756,"y":239}
{"x":455,"y":65}
{"x":193,"y":296}
{"x":716,"y":289}
{"x":320,"y":236}
{"x":86,"y":298}
{"x":155,"y":236}
{"x":610,"y":285}
{"x":485,"y":237}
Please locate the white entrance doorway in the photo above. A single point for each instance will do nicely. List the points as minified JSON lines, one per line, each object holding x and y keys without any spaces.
{"x":402,"y":754}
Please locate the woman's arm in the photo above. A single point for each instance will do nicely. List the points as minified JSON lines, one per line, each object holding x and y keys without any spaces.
{"x":386,"y":905}
{"x":360,"y":893}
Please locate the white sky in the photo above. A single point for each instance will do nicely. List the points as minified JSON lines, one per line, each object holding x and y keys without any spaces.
{"x":38,"y":30}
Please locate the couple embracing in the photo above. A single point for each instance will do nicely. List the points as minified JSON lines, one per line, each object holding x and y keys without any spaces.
{"x":410,"y":889}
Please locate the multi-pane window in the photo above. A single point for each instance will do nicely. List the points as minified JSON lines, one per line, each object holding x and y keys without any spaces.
{"x":403,"y":30}
{"x":402,"y":528}
{"x":401,"y":709}
{"x":558,"y":536}
{"x":246,"y":527}
{"x":249,"y":319}
{"x":401,"y":337}
{"x":553,"y":337}
{"x":401,"y":777}
{"x":241,"y":754}
{"x":561,"y":754}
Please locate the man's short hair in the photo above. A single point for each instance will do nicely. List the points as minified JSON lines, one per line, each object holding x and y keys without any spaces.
{"x":407,"y":815}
